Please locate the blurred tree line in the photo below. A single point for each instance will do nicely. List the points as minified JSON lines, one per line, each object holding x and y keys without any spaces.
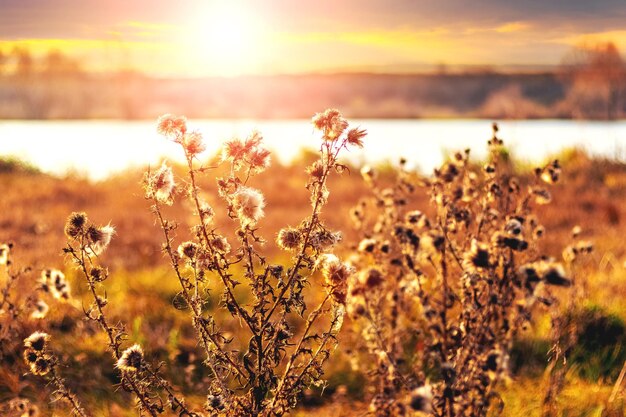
{"x":596,"y":81}
{"x":590,"y":83}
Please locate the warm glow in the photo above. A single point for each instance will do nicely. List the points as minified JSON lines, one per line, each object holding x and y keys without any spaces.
{"x":227,"y":38}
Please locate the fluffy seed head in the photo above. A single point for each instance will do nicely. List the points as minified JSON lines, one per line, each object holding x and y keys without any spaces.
{"x":220,"y":244}
{"x":100,"y":237}
{"x":248,"y":204}
{"x":41,"y":366}
{"x":171,"y":126}
{"x":40,"y":310}
{"x":75,"y":225}
{"x":188,"y":250}
{"x":367,"y":245}
{"x":37,"y":341}
{"x":193,"y":143}
{"x":371,"y":278}
{"x":355,"y":136}
{"x":421,"y":399}
{"x":160,"y":185}
{"x":289,"y":238}
{"x":4,"y":253}
{"x":131,"y":359}
{"x":331,"y":123}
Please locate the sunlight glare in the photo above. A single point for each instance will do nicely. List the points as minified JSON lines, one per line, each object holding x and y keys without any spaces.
{"x":227,"y":37}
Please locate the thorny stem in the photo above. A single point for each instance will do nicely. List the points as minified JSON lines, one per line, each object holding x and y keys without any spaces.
{"x":67,"y":394}
{"x":227,"y":285}
{"x":101,"y":319}
{"x":198,"y":319}
{"x":311,"y":319}
{"x":330,"y":161}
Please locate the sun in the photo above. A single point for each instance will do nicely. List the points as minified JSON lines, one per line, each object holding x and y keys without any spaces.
{"x":228,"y":37}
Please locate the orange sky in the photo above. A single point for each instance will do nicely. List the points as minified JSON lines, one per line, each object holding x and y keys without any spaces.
{"x":233,"y":37}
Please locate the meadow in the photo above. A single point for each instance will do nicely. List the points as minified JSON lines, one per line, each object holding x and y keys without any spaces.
{"x":385,"y":320}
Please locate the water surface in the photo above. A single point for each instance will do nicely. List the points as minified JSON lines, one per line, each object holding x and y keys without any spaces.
{"x":100,"y":148}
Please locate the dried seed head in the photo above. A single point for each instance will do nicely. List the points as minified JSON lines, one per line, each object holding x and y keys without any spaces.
{"x":542,"y":196}
{"x":477,"y":257}
{"x":289,"y":238}
{"x":368,"y":173}
{"x":37,"y":341}
{"x":336,"y":274}
{"x":131,"y":359}
{"x":5,"y":249}
{"x":554,"y":274}
{"x":331,"y":123}
{"x":41,"y":366}
{"x":316,"y":170}
{"x":215,"y":403}
{"x":220,"y":244}
{"x":421,"y":399}
{"x":323,"y":240}
{"x":371,"y":278}
{"x":249,"y":204}
{"x":172,"y":127}
{"x":75,"y":225}
{"x":193,"y":143}
{"x":188,"y":250}
{"x":99,"y":238}
{"x":98,"y":274}
{"x":551,"y":173}
{"x":160,"y":185}
{"x":40,"y":310}
{"x":503,"y":240}
{"x":30,"y":356}
{"x":367,"y":245}
{"x":355,"y":136}
{"x":513,"y":226}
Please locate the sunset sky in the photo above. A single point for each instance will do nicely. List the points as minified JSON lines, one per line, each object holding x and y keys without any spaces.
{"x":233,"y":37}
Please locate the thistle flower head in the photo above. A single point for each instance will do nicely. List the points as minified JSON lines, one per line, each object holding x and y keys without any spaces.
{"x":331,"y":123}
{"x":355,"y":136}
{"x":172,"y":127}
{"x":100,"y":237}
{"x":368,"y":173}
{"x":371,"y":278}
{"x":215,"y":403}
{"x":40,"y":310}
{"x":250,"y":152}
{"x":76,"y":224}
{"x":323,"y":240}
{"x":477,"y":257}
{"x":220,"y":244}
{"x":131,"y":359}
{"x":160,"y":185}
{"x":421,"y":399}
{"x":54,"y":282}
{"x":336,"y":274}
{"x":193,"y":143}
{"x":316,"y":170}
{"x":37,"y":341}
{"x":188,"y":250}
{"x":289,"y":238}
{"x":367,"y":245}
{"x":248,"y":204}
{"x":41,"y":366}
{"x":4,"y":253}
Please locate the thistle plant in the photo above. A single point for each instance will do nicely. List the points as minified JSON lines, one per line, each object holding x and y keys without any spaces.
{"x":441,"y":292}
{"x":43,"y":362}
{"x":86,"y":241}
{"x":285,"y":340}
